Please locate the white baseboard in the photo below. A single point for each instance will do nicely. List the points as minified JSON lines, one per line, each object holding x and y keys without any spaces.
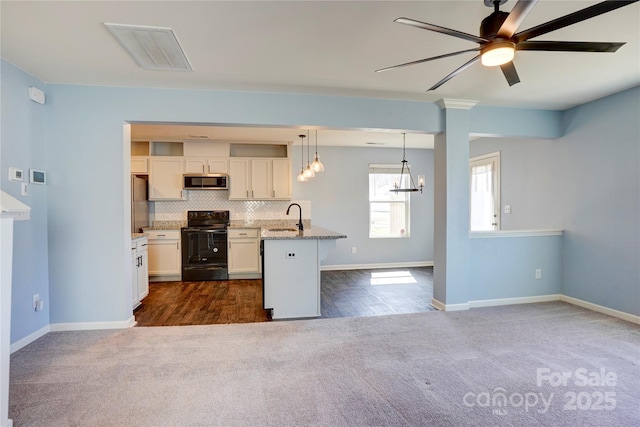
{"x":86,"y":326}
{"x":8,"y":423}
{"x":510,"y":301}
{"x":439,"y":305}
{"x":376,"y":266}
{"x":602,"y":309}
{"x":29,"y":339}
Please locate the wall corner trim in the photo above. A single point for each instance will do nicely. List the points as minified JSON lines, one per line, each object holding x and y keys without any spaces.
{"x":459,"y":104}
{"x":86,"y":326}
{"x":439,"y":305}
{"x":511,"y":301}
{"x":601,"y":309}
{"x":29,"y":339}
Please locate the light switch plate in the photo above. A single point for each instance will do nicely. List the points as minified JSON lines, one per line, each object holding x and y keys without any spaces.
{"x":15,"y":174}
{"x":25,"y":189}
{"x":507,"y":209}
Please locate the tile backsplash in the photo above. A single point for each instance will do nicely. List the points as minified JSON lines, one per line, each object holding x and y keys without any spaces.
{"x":239,"y":209}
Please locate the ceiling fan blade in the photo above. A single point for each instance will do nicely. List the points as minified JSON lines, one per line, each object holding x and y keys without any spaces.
{"x":442,"y":30}
{"x":455,"y":73}
{"x":510,"y":73}
{"x":569,"y":46}
{"x":515,"y":18}
{"x":572,"y":18}
{"x":420,"y":61}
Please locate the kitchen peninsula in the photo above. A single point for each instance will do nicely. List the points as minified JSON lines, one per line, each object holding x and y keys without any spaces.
{"x":291,"y":270}
{"x":287,"y":259}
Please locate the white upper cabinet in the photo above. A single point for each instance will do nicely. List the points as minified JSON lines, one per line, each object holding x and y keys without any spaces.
{"x":281,"y":179}
{"x":259,"y":179}
{"x":205,"y":165}
{"x":139,"y":165}
{"x":239,"y":176}
{"x":165,"y":178}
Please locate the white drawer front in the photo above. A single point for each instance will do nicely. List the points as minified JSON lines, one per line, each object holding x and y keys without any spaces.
{"x":243,"y":233}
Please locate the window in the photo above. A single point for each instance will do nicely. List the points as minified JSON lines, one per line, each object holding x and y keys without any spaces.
{"x":484,"y":192}
{"x":388,"y":211}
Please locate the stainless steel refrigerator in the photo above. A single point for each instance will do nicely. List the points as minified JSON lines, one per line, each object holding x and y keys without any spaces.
{"x":139,"y":203}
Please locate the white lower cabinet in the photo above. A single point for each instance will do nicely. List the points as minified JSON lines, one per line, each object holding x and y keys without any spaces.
{"x":165,"y":259}
{"x":139,"y":271}
{"x":244,"y":253}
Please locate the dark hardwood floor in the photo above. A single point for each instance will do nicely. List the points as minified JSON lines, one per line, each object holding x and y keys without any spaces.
{"x":361,"y":293}
{"x":202,"y":303}
{"x":348,"y":293}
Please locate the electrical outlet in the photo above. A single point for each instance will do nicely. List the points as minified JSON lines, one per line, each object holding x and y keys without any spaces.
{"x":290,"y":255}
{"x":538,"y":273}
{"x":40,"y":305}
{"x":353,"y":250}
{"x":35,"y":300}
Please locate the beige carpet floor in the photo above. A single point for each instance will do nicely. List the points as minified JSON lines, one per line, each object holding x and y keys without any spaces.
{"x":492,"y":366}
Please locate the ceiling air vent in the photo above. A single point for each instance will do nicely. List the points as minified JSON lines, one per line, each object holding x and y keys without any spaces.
{"x":153,"y":48}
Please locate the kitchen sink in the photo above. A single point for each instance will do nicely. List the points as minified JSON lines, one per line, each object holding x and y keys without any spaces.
{"x":282,"y":229}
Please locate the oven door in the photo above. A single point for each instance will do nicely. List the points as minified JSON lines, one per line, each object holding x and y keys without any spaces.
{"x":204,"y":254}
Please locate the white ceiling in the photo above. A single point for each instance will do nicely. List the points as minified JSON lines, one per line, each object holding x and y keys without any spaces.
{"x":320,"y":47}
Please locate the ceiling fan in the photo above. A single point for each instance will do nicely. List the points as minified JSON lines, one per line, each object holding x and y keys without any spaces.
{"x":499,"y":40}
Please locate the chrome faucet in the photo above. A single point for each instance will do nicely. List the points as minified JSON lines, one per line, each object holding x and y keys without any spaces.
{"x":300,"y":227}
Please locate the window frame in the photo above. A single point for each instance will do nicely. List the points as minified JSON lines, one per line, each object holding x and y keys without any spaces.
{"x":407,"y":202}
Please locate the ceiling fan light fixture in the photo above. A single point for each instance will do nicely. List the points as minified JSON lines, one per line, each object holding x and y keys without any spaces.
{"x":498,"y":53}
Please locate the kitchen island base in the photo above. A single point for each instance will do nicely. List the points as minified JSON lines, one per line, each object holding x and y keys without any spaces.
{"x":292,"y":276}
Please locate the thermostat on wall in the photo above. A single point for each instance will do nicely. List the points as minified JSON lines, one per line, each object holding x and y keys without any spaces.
{"x":37,"y":177}
{"x":15,"y":174}
{"x":36,"y":95}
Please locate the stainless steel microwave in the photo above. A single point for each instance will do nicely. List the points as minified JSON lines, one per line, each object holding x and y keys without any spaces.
{"x":206,"y":181}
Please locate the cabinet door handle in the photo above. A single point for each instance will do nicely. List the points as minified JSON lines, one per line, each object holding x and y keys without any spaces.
{"x":247,"y":194}
{"x":161,"y":235}
{"x":177,"y":246}
{"x":242,"y":234}
{"x":144,"y":244}
{"x":252,"y":194}
{"x":274,"y":193}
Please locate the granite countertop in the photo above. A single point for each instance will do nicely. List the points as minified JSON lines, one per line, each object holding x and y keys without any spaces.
{"x":135,"y":236}
{"x":310,"y":232}
{"x":167,"y":225}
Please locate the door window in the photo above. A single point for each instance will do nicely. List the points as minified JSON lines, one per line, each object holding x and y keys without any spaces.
{"x":484,"y":191}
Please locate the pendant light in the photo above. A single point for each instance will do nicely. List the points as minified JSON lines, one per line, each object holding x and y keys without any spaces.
{"x":317,"y":165}
{"x":308,"y":172}
{"x":301,"y":177}
{"x":397,"y":185}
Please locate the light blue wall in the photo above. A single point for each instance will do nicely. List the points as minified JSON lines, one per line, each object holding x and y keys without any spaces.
{"x":340,"y":200}
{"x":515,"y":122}
{"x":505,"y":267}
{"x":587,"y":183}
{"x":601,"y":215}
{"x":24,"y":146}
{"x":451,"y":219}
